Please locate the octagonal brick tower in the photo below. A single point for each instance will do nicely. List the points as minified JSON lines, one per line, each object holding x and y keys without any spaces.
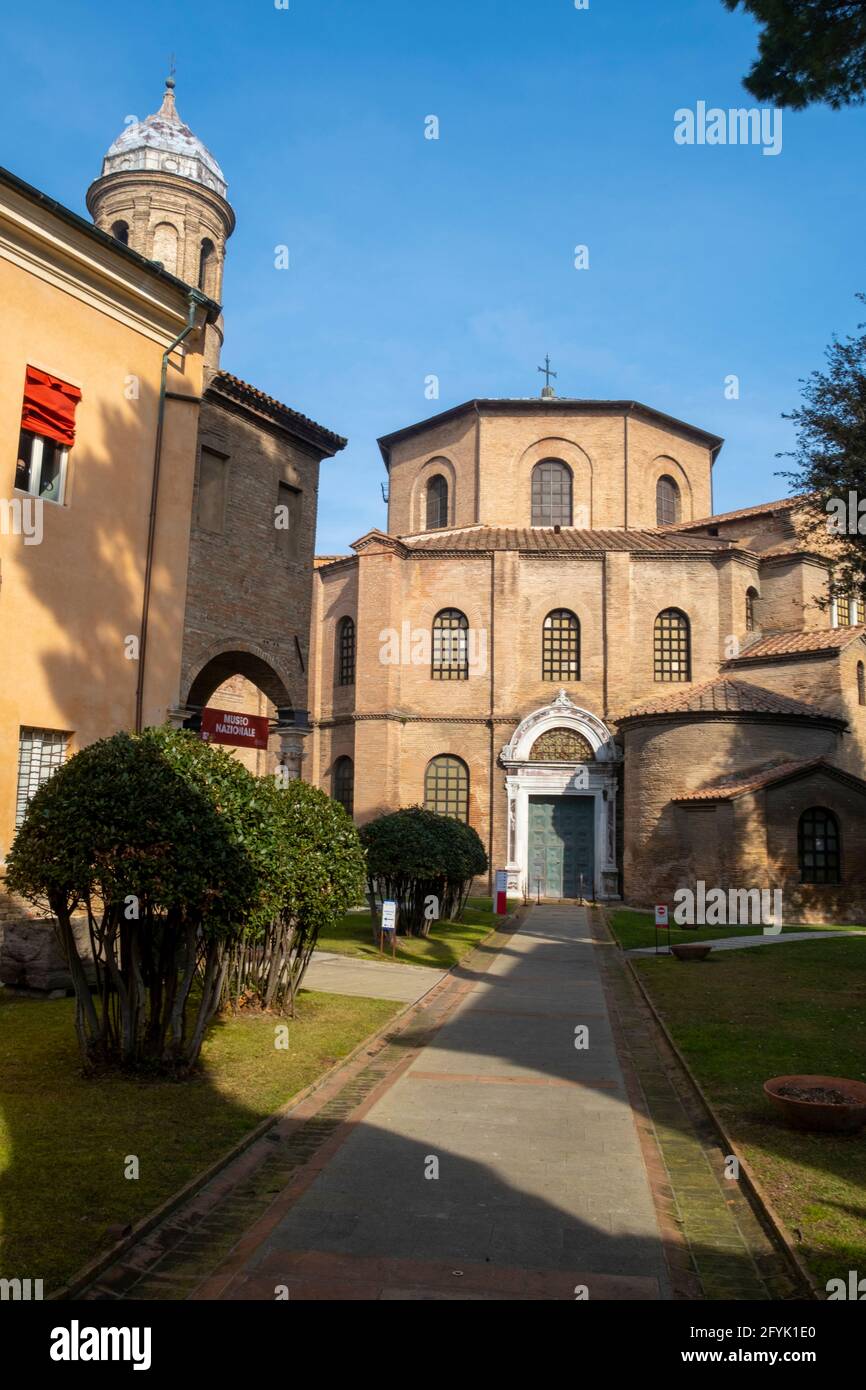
{"x":162,"y":193}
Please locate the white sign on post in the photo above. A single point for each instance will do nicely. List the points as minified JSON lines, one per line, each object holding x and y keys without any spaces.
{"x":661,"y":915}
{"x":389,"y":916}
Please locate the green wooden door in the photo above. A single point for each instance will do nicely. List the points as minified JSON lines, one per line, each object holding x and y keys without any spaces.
{"x":561,"y":845}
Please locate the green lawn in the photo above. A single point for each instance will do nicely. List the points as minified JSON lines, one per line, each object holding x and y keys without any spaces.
{"x":744,"y":1016}
{"x":64,"y":1140}
{"x":444,"y":947}
{"x":633,"y":929}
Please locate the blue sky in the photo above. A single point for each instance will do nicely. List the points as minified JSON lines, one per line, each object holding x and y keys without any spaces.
{"x":411,"y":257}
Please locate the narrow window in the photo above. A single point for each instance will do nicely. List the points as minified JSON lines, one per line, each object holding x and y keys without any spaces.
{"x":213,"y":475}
{"x":667,"y":501}
{"x":344,"y":784}
{"x":288,"y":520}
{"x":859,"y":610}
{"x":47,"y":434}
{"x":551,"y":493}
{"x":672,"y":646}
{"x":345,"y":652}
{"x":204,"y":264}
{"x":446,"y":787}
{"x":751,"y":595}
{"x":437,"y":502}
{"x":861,"y":684}
{"x":165,"y":246}
{"x":120,"y":232}
{"x":40,"y":753}
{"x":450,"y":646}
{"x":818,"y":844}
{"x":560,"y":647}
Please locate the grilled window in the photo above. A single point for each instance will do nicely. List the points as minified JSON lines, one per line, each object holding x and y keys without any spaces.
{"x":561,"y":746}
{"x":667,"y":501}
{"x":437,"y":502}
{"x":346,"y":652}
{"x":40,"y":753}
{"x":560,"y":647}
{"x":450,"y":646}
{"x":551,"y":494}
{"x":344,"y":784}
{"x":446,"y":787}
{"x":672,"y":646}
{"x":818,"y":843}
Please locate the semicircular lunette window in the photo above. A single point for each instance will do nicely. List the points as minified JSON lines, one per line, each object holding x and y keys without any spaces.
{"x":561,"y":746}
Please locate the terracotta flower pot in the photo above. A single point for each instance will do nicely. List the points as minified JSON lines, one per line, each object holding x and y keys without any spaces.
{"x":804,"y":1112}
{"x":692,"y":950}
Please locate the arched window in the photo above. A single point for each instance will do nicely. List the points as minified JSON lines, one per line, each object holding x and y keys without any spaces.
{"x":165,"y":246}
{"x":120,"y":232}
{"x":437,"y":502}
{"x":672,"y":654}
{"x":345,"y":652}
{"x":446,"y":787}
{"x":751,"y":595}
{"x":667,"y":501}
{"x":551,"y":493}
{"x":344,"y":784}
{"x":204,"y":263}
{"x":818,"y":845}
{"x":861,"y":683}
{"x":560,"y":647}
{"x":450,"y":646}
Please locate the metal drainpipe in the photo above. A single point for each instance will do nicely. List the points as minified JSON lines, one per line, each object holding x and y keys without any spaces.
{"x":195,"y":299}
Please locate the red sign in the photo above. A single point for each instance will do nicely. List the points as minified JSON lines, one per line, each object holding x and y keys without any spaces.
{"x":232,"y":727}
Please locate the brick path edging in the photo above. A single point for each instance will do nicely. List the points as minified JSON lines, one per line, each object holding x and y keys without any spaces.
{"x":760,"y":1198}
{"x":398,"y":1022}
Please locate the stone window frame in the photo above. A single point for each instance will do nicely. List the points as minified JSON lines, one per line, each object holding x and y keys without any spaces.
{"x":560,"y":646}
{"x":672,"y":647}
{"x":345,"y":651}
{"x":827,"y":865}
{"x":343,"y":782}
{"x":449,"y":659}
{"x":446,"y":786}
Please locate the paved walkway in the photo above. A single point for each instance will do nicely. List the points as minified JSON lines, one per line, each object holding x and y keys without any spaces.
{"x":740,"y":943}
{"x":372,"y":979}
{"x":501,"y":1149}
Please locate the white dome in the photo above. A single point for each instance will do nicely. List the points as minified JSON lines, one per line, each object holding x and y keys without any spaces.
{"x":163,"y":144}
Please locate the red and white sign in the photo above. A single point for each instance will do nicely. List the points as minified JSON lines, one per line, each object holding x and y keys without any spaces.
{"x":234,"y":728}
{"x":501,"y":906}
{"x":661,"y":915}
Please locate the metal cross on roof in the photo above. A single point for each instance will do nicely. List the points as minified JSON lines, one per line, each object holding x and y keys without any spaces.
{"x":546,"y":372}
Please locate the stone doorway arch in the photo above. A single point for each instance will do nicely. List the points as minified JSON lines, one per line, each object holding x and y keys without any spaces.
{"x":217,"y":667}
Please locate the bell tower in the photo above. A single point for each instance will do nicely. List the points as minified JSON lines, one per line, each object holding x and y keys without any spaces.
{"x":162,"y":193}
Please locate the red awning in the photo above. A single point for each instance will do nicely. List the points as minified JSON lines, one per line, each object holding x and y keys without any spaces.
{"x":49,"y":406}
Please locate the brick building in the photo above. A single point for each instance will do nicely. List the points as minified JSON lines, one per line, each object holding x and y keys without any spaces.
{"x":557,"y":640}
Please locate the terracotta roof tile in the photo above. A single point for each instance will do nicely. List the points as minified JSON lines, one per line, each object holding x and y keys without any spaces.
{"x":725,"y":696}
{"x":751,"y":782}
{"x":781,"y":644}
{"x":237,"y":389}
{"x":784,"y":504}
{"x":570,"y":539}
{"x":319,"y":561}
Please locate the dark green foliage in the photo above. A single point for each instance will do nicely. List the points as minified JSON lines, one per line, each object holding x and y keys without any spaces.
{"x":414,"y":856}
{"x":831,"y":453}
{"x":809,"y":51}
{"x":177,"y":855}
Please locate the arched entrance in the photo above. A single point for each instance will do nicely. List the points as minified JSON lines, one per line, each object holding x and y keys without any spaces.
{"x":561,"y":767}
{"x":245,"y":678}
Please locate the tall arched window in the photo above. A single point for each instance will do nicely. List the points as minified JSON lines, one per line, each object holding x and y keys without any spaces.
{"x":120,"y":232}
{"x":551,"y":493}
{"x":446,"y":787}
{"x":450,"y":646}
{"x":560,"y":647}
{"x":859,"y":609}
{"x":204,"y":264}
{"x":437,"y":502}
{"x":344,"y":784}
{"x":818,"y":846}
{"x":861,"y":683}
{"x":345,"y":662}
{"x":667,"y":501}
{"x":672,"y":646}
{"x":165,"y":246}
{"x":751,"y":595}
